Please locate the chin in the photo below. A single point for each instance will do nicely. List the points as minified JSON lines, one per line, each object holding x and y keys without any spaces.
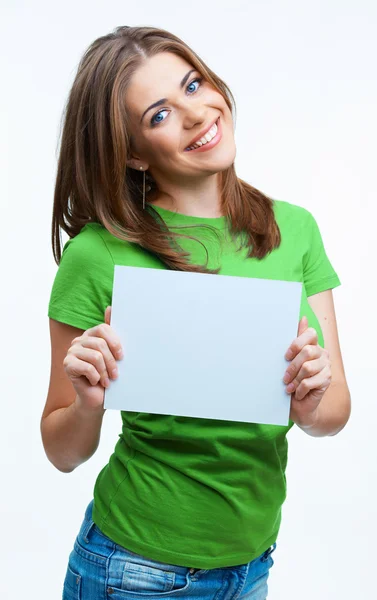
{"x":226,"y":158}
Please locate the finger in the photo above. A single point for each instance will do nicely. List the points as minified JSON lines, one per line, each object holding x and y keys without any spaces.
{"x":309,"y":368}
{"x":94,"y":357}
{"x":303,"y":325}
{"x":320,"y":380}
{"x":308,"y":353}
{"x":75,"y":367}
{"x":100,"y":346}
{"x":105,"y":331}
{"x":309,"y":336}
{"x":108,"y":315}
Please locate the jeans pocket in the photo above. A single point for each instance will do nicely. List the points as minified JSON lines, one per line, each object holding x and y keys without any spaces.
{"x":132,"y":575}
{"x":147,"y":579}
{"x":72,"y":584}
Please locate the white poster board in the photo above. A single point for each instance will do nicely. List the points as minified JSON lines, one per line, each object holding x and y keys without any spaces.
{"x":203,"y":345}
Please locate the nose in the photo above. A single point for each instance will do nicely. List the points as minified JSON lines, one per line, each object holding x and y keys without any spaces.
{"x":194,"y":115}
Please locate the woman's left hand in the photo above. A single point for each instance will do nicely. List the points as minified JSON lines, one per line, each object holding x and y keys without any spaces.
{"x":309,"y":372}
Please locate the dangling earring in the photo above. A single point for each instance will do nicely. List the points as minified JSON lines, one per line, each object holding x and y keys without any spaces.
{"x":141,"y":168}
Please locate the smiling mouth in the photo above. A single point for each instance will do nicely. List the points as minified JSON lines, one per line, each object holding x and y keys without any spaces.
{"x":215,"y":135}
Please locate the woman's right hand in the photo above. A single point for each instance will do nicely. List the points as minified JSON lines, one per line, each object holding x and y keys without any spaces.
{"x":90,"y":363}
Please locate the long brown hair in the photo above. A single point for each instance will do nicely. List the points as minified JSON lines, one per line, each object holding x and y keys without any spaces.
{"x":93,"y":181}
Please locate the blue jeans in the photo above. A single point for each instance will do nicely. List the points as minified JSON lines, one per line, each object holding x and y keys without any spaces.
{"x":100,"y":569}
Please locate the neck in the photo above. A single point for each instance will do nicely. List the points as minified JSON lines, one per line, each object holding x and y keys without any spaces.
{"x":197,"y":198}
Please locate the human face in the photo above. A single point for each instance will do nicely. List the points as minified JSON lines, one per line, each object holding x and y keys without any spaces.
{"x":161,"y":134}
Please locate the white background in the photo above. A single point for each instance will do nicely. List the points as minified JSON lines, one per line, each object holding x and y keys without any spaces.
{"x":303,"y":75}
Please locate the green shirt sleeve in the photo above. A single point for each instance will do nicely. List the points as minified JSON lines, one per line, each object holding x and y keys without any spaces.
{"x":318,"y":272}
{"x":83,"y":283}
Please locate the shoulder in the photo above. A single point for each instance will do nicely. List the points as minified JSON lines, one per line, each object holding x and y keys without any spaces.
{"x":97,"y":248}
{"x":94,"y":242}
{"x":82,"y":286}
{"x":297,"y":224}
{"x":90,"y":239}
{"x":289,"y":213}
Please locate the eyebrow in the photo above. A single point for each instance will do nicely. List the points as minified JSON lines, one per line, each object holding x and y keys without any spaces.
{"x":163,"y":100}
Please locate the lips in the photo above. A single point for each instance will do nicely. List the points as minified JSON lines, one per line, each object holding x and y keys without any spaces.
{"x":197,"y":138}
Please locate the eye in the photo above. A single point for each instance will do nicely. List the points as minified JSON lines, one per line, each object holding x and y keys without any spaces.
{"x":154,"y":122}
{"x":198,"y":79}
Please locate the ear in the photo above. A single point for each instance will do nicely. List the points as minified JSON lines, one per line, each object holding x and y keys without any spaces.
{"x":132,"y":163}
{"x":136,"y":163}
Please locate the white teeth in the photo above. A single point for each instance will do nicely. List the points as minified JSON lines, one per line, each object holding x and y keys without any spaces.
{"x":206,"y":138}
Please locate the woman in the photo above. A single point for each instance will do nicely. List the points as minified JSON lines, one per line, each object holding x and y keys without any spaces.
{"x":185,"y":507}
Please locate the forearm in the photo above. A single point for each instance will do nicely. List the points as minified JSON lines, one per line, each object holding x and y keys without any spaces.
{"x":71,"y":436}
{"x":332,"y":413}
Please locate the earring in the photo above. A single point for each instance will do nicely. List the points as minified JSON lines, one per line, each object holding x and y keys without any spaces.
{"x":141,"y":168}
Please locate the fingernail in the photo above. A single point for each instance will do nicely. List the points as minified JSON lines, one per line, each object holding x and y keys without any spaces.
{"x":120,"y":354}
{"x":114,"y":373}
{"x":289,"y":355}
{"x":106,"y":382}
{"x":290,"y":387}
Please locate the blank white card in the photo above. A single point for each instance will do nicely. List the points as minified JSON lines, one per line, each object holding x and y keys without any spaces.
{"x":202,"y":345}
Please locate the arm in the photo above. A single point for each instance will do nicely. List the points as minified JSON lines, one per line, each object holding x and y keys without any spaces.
{"x":335,"y":407}
{"x":82,"y":288}
{"x":70,"y":435}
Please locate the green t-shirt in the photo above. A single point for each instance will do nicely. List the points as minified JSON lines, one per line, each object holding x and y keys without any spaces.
{"x":202,"y":493}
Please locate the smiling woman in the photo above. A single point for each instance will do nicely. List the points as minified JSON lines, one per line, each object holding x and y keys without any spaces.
{"x":193,"y":115}
{"x":184,"y":507}
{"x":124,"y":76}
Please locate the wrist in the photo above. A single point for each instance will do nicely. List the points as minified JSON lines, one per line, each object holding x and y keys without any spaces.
{"x":309,"y":421}
{"x":88,"y":412}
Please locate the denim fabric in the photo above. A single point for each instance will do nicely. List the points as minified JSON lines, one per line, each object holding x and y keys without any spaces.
{"x":100,"y":569}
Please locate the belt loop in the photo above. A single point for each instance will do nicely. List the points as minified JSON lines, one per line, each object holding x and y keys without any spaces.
{"x":89,"y":521}
{"x":87,"y":530}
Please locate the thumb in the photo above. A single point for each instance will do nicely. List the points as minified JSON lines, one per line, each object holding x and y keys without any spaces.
{"x":302,"y":326}
{"x":108,"y":315}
